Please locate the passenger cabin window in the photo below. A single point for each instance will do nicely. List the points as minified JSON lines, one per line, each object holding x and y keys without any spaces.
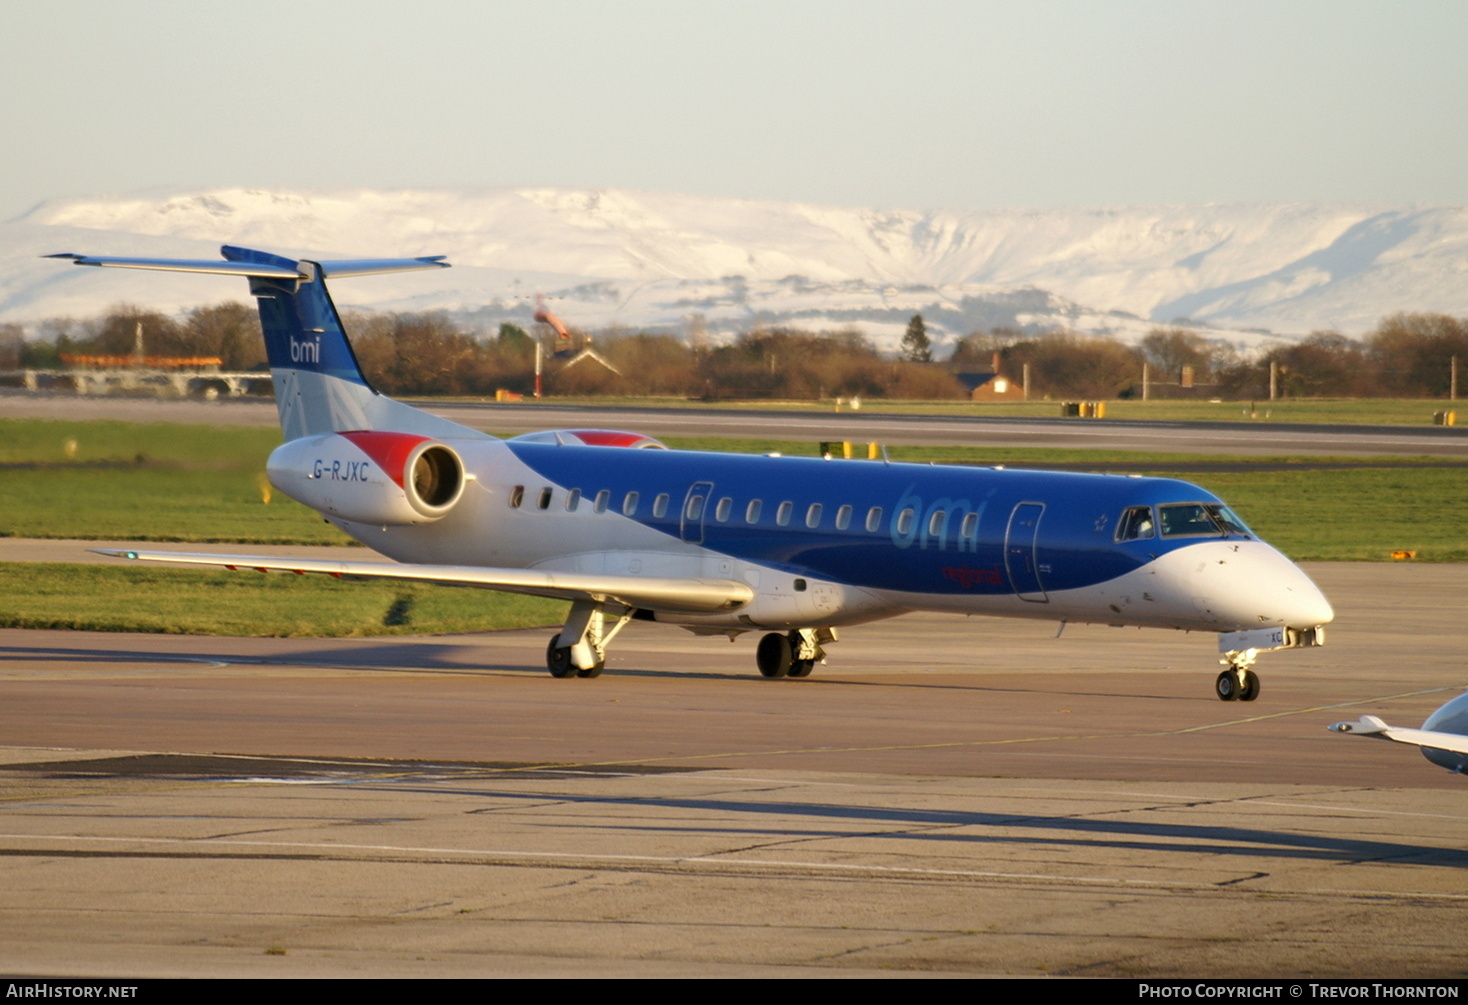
{"x":1135,"y":524}
{"x":660,"y":505}
{"x":843,"y":518}
{"x":517,"y":496}
{"x":694,"y":509}
{"x":813,"y":516}
{"x":904,"y":522}
{"x":937,"y":525}
{"x":602,"y":498}
{"x":722,"y":511}
{"x":782,"y":515}
{"x":629,"y":504}
{"x":573,"y":499}
{"x":751,"y":512}
{"x":545,"y":498}
{"x":874,"y":519}
{"x":969,"y":530}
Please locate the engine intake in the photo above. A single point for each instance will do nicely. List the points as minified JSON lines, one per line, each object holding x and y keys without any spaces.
{"x":438,"y":477}
{"x":381,"y":478}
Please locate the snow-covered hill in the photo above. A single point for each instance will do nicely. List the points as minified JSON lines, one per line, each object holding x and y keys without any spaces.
{"x":640,"y":259}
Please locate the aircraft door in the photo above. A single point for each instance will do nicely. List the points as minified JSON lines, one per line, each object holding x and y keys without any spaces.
{"x":1021,"y":539}
{"x":695,"y":509}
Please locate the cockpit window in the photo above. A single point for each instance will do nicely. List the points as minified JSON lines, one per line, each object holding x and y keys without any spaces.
{"x":1228,"y":521}
{"x":1135,"y":524}
{"x":1187,"y":520}
{"x":1199,"y":520}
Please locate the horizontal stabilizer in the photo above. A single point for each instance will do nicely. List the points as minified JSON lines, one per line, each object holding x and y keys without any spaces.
{"x":697,"y":596}
{"x":187,"y":265}
{"x":377,"y":266}
{"x":264,"y":270}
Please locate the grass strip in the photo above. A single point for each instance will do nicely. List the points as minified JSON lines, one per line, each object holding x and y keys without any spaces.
{"x":202,"y":484}
{"x":131,"y":598}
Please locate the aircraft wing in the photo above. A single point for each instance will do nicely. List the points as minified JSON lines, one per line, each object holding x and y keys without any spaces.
{"x":1370,"y":725}
{"x":697,"y":596}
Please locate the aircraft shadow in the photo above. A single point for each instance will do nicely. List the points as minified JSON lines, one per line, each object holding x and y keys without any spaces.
{"x":400,"y":656}
{"x":1123,"y":834}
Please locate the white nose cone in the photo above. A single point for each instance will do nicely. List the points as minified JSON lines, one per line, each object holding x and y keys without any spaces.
{"x":1279,"y":589}
{"x":1238,"y":585}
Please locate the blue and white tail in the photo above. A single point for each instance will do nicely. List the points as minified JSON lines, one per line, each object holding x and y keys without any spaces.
{"x":319,"y":388}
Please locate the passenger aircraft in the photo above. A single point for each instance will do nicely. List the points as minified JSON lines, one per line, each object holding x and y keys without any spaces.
{"x":723,"y":544}
{"x":1443,"y":738}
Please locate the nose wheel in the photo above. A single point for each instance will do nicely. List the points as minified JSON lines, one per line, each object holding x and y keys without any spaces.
{"x":1237,"y":684}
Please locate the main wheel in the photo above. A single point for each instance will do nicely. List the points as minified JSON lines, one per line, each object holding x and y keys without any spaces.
{"x":1250,"y":690}
{"x":594,"y":671}
{"x":801,"y":668}
{"x":558,"y":658}
{"x":773,"y":655}
{"x":1227,"y":685}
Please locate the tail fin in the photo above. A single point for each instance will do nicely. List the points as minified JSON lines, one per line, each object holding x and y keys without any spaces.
{"x":319,"y":388}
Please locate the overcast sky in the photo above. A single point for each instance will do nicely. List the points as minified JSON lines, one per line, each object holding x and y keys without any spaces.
{"x":921,"y":105}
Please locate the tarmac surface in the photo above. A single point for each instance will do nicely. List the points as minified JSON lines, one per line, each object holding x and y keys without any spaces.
{"x":946,"y":797}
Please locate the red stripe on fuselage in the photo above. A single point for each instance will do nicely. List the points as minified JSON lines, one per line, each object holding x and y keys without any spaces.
{"x":389,"y":450}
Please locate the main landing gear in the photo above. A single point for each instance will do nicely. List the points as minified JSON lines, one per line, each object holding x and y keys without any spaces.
{"x":794,"y":654}
{"x":580,"y":648}
{"x":1238,"y":682}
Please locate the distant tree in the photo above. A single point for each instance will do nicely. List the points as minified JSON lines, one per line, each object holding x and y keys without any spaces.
{"x":651,"y":364}
{"x":977,"y":349}
{"x":230,"y":331}
{"x":116,"y":334}
{"x":512,"y":336}
{"x":12,"y":346}
{"x":1171,"y":349}
{"x":787,"y":363}
{"x":916,"y":346}
{"x":1072,"y":365}
{"x":1412,"y":352}
{"x":1323,"y":364}
{"x":44,"y":354}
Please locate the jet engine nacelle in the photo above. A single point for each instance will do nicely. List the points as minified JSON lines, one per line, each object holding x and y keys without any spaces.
{"x":379,"y":478}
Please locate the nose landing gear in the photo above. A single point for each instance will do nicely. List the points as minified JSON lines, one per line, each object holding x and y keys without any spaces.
{"x":1237,"y":684}
{"x":1240,"y":649}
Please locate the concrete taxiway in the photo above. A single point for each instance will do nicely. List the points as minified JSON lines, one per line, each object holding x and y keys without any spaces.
{"x":948,"y":796}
